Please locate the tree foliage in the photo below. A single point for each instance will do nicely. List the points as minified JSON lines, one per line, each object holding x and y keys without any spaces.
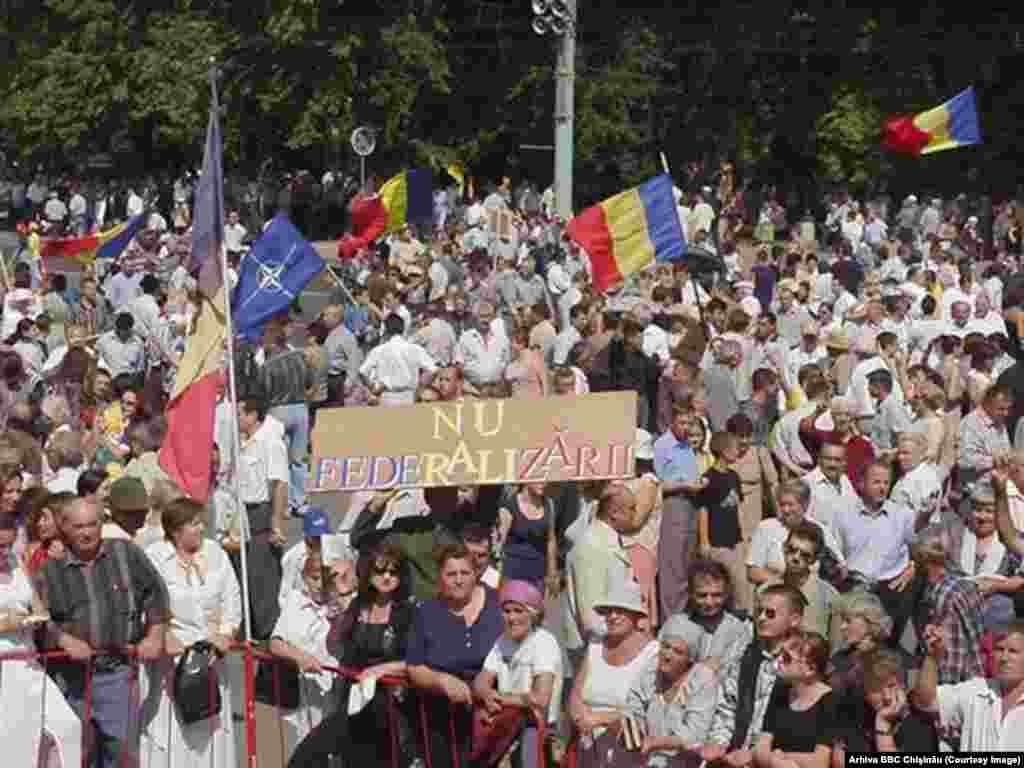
{"x":442,"y":80}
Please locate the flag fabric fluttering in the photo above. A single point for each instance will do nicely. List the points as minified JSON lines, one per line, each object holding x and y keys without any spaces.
{"x":404,"y":199}
{"x":950,"y":125}
{"x":458,"y":172}
{"x":629,"y":231}
{"x":185,"y":454}
{"x":108,"y":244}
{"x":273,"y":274}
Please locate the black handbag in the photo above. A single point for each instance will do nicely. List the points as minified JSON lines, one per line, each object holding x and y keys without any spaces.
{"x":282,"y":692}
{"x":197,"y":684}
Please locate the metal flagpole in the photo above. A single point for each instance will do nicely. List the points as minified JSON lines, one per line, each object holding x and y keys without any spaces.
{"x":233,"y":394}
{"x":236,"y":440}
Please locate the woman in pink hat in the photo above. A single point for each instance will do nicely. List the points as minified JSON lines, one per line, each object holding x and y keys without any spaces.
{"x":519,"y":689}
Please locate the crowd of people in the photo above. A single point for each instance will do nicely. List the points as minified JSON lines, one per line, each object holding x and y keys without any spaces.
{"x":820,"y":551}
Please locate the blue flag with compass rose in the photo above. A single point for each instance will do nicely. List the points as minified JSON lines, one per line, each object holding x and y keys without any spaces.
{"x":272,"y":275}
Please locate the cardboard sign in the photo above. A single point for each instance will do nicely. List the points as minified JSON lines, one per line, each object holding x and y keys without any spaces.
{"x":475,"y":442}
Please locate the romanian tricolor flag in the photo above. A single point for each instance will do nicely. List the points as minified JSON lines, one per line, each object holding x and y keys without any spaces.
{"x":948,"y":126}
{"x":103,"y":245}
{"x":185,"y":453}
{"x":404,"y":199}
{"x":627,"y":232}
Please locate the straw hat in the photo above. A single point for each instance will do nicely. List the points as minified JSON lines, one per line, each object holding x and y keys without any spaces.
{"x":625,"y":595}
{"x":837,"y":340}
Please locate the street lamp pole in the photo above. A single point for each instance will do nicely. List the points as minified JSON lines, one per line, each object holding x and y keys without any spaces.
{"x":565,"y":81}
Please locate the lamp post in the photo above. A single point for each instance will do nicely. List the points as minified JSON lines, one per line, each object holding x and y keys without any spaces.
{"x":558,"y":18}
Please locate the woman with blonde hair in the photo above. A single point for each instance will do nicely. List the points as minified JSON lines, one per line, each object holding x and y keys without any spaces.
{"x":864,"y":628}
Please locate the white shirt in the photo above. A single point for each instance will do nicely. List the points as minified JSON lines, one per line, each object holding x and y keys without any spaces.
{"x":655,"y":343}
{"x":203,"y":598}
{"x":975,"y":708}
{"x":483,"y":360}
{"x":233,"y":236}
{"x":864,"y":404}
{"x":920,"y":490}
{"x":305,"y":624}
{"x":396,"y":365}
{"x":294,"y":561}
{"x":558,"y":279}
{"x":516,"y":664}
{"x":264,"y":459}
{"x":770,"y":538}
{"x":785,"y":440}
{"x":65,"y":481}
{"x":135,"y":205}
{"x":826,"y":497}
{"x":146,"y":312}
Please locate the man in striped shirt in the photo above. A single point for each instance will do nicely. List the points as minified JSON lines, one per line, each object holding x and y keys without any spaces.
{"x":106,"y":603}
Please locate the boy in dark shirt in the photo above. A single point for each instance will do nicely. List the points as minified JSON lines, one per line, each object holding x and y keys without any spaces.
{"x":718,"y":521}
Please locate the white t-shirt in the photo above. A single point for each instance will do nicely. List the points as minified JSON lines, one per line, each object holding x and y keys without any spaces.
{"x":921,"y":491}
{"x":516,"y":664}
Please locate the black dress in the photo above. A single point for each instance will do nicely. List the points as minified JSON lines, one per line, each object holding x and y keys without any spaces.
{"x":382,"y":732}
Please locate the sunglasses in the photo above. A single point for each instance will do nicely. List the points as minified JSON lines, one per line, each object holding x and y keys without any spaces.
{"x":381,"y":570}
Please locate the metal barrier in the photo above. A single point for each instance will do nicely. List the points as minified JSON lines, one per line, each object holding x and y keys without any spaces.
{"x":254,"y":754}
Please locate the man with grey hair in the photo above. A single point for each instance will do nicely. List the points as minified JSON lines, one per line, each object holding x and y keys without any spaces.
{"x":107,"y":603}
{"x":720,"y":382}
{"x":483,"y":351}
{"x":597,"y":560}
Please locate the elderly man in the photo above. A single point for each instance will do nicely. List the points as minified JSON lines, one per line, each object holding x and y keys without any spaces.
{"x":983,"y":434}
{"x":484,"y":351}
{"x":343,"y":354}
{"x":106,"y":603}
{"x":595,"y":562}
{"x":675,"y":465}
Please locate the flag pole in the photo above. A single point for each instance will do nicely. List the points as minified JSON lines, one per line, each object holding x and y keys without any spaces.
{"x":248,"y":669}
{"x":236,"y":439}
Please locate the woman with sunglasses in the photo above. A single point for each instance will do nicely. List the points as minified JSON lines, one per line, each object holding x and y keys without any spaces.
{"x":371,"y":635}
{"x":611,"y":668}
{"x":801,"y":716}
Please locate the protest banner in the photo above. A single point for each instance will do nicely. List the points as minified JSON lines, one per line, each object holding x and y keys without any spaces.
{"x":475,"y":442}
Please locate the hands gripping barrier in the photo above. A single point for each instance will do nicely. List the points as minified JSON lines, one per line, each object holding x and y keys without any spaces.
{"x":45,"y":721}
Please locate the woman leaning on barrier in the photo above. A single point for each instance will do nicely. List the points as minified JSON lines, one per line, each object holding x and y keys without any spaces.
{"x":206,"y":606}
{"x":449,"y":641}
{"x":370,"y":721}
{"x":30,"y":701}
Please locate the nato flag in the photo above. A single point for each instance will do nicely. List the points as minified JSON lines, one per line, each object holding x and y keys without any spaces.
{"x":272,"y":275}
